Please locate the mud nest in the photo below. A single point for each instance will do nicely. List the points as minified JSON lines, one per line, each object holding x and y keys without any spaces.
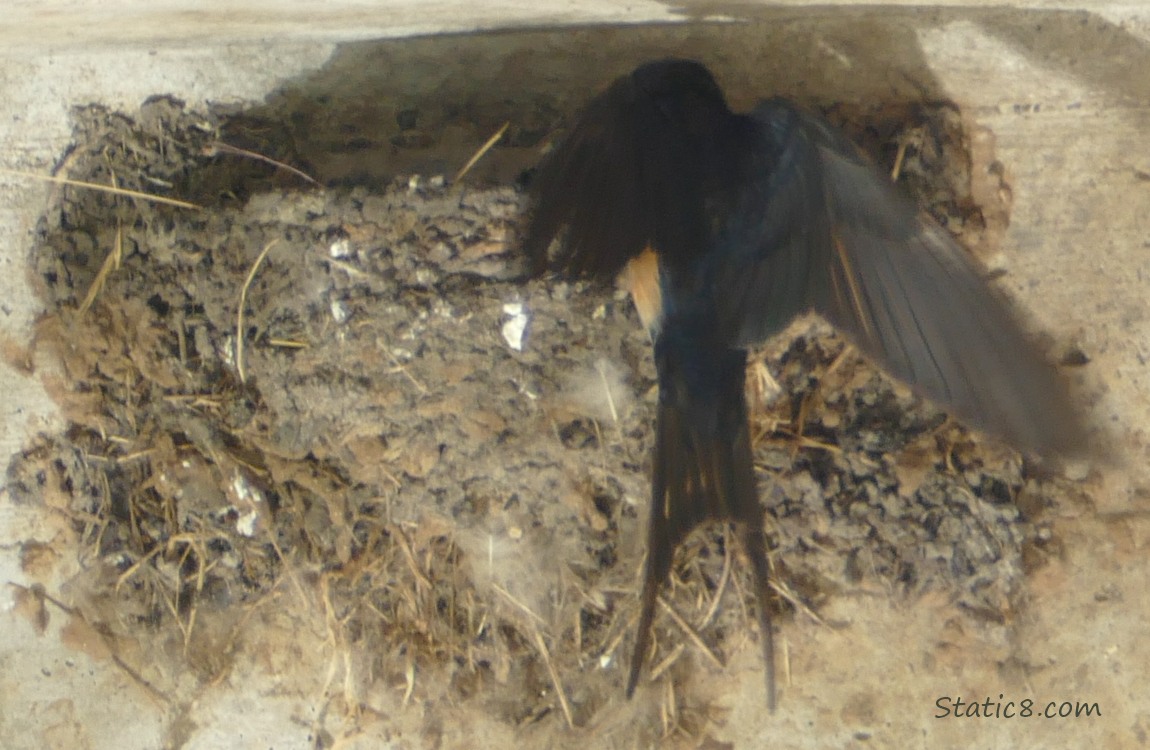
{"x":364,"y":441}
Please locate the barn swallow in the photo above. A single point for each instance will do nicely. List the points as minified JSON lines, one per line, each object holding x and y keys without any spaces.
{"x":726,"y":226}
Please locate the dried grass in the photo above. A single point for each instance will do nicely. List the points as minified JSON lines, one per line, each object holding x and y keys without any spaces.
{"x":399,"y":602}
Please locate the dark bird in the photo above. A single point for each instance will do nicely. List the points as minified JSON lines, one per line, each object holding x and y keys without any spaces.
{"x":725,"y":227}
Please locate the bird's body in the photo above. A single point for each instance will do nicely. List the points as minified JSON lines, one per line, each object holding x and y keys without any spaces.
{"x":725,"y":227}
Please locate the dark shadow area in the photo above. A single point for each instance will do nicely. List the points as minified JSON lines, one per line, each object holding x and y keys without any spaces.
{"x":423,"y":105}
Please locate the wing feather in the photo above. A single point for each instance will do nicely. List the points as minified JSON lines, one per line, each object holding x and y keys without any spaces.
{"x":820,"y":228}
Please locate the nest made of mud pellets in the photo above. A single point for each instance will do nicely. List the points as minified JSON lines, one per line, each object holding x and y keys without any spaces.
{"x":454,"y":503}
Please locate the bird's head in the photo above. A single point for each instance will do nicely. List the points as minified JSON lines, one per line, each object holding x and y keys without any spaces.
{"x":684,"y":90}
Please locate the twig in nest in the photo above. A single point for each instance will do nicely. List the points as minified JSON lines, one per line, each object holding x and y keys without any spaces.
{"x":723,"y":578}
{"x":111,"y":263}
{"x":807,"y":442}
{"x":409,"y":678}
{"x":762,"y":386}
{"x":692,"y":634}
{"x":800,"y":421}
{"x":601,"y":368}
{"x":402,"y":370}
{"x":101,"y":188}
{"x":218,"y":147}
{"x":562,"y":695}
{"x":287,"y":343}
{"x":520,"y":605}
{"x":668,"y":709}
{"x":287,"y":568}
{"x":896,"y":170}
{"x":482,"y":150}
{"x":240,"y":312}
{"x":786,"y":661}
{"x":136,"y":566}
{"x":608,"y":652}
{"x":422,"y":582}
{"x":783,"y":590}
{"x":913,"y":137}
{"x":664,"y":665}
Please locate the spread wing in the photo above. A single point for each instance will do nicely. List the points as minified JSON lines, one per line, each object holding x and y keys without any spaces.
{"x":818,"y":227}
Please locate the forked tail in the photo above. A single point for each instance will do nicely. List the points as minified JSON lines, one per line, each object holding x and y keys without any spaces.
{"x":702,"y":470}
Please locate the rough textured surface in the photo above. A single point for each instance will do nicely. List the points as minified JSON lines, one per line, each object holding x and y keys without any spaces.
{"x":1058,"y":98}
{"x":463,"y":510}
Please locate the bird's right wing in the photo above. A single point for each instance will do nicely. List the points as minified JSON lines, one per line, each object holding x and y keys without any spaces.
{"x":819,"y":227}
